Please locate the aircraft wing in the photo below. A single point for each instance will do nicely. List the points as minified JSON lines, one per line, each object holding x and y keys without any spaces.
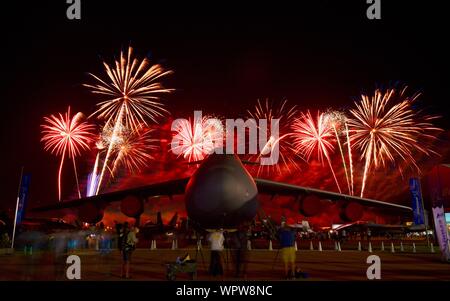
{"x":370,"y":225}
{"x":277,"y":188}
{"x":169,"y":188}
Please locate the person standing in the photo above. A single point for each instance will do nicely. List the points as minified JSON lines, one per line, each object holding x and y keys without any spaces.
{"x":216,"y":240}
{"x":239,"y":245}
{"x":343,"y":236}
{"x":288,"y":254}
{"x":129,"y":241}
{"x":119,"y":228}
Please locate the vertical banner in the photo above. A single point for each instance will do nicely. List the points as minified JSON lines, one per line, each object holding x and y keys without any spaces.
{"x":23,"y":197}
{"x":441,"y":232}
{"x":417,"y":203}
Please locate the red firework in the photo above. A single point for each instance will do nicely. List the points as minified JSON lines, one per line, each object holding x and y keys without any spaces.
{"x":314,"y":135}
{"x":198,"y":138}
{"x":66,"y":134}
{"x":285,"y":114}
{"x":385,"y":128}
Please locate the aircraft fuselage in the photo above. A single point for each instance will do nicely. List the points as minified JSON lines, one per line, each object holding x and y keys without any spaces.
{"x":221,"y":193}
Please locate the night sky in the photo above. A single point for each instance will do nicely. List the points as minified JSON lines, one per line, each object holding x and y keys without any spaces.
{"x":225,"y":57}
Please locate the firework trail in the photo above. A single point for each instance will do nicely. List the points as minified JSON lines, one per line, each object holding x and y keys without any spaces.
{"x":385,"y":128}
{"x":66,"y":134}
{"x":285,"y":115}
{"x":93,"y":177}
{"x":132,"y":88}
{"x":337,"y":121}
{"x":314,"y":135}
{"x":350,"y":158}
{"x":112,"y":136}
{"x":92,"y":184}
{"x":198,"y":138}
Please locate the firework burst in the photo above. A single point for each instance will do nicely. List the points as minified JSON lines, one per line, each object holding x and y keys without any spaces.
{"x":134,"y":151}
{"x":385,"y":128}
{"x":133,"y":92}
{"x":107,"y":137}
{"x":132,"y":89}
{"x":314,"y":135}
{"x":198,"y":138}
{"x":285,"y":115}
{"x":66,"y":135}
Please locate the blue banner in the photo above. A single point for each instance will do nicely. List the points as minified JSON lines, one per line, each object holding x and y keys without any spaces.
{"x":23,"y":197}
{"x":417,"y":203}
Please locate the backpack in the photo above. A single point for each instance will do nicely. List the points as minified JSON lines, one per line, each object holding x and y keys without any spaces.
{"x":126,"y":245}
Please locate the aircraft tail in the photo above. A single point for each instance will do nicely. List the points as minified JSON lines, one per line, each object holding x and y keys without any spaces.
{"x":174,"y":219}
{"x":159,"y":221}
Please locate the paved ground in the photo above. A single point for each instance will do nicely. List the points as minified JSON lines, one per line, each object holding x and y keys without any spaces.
{"x":262,"y":265}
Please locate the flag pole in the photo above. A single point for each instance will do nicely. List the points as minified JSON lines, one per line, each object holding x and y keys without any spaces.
{"x":17,"y":208}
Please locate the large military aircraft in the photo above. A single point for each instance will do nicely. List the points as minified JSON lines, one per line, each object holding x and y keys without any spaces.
{"x":222,"y":194}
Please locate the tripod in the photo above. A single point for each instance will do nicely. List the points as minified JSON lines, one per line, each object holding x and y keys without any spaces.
{"x":199,"y":250}
{"x":228,"y":254}
{"x":276,"y":258}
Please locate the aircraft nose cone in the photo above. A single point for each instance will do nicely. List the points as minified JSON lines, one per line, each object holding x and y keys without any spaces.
{"x":221,"y":193}
{"x":220,"y":190}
